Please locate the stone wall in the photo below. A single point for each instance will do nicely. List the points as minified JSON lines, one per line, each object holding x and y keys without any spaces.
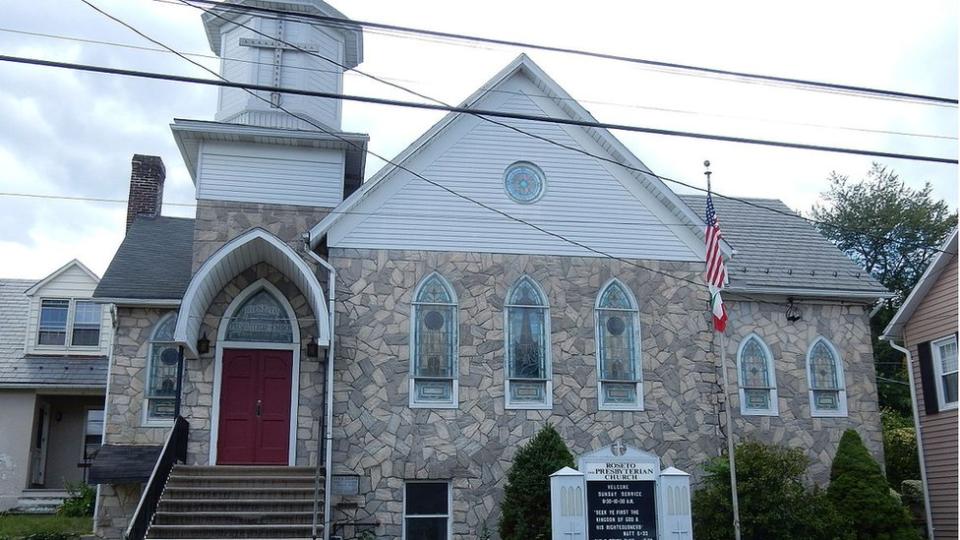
{"x":218,"y":222}
{"x":847,"y":327}
{"x":380,"y":438}
{"x":115,"y":506}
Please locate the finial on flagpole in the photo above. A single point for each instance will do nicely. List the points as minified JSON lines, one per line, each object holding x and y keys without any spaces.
{"x":706,"y":163}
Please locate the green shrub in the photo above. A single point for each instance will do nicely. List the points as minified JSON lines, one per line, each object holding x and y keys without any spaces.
{"x":899,"y":448}
{"x":525,"y":510}
{"x":774,"y":503}
{"x":860,"y":492}
{"x":80,"y":502}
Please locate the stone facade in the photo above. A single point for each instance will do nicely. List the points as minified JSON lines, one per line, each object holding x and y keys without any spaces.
{"x":380,"y":438}
{"x":218,"y":222}
{"x":125,"y":420}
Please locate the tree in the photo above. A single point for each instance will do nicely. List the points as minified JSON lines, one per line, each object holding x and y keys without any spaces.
{"x":892,"y":231}
{"x":900,"y":456}
{"x":525,"y":510}
{"x":774,"y":502}
{"x":860,"y":493}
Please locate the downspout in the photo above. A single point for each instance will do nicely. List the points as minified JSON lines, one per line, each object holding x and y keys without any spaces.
{"x":328,"y":415}
{"x":916,"y":427}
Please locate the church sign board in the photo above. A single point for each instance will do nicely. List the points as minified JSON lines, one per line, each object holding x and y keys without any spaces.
{"x":627,"y":496}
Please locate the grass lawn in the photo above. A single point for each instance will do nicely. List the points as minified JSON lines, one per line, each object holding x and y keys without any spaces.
{"x":17,"y":525}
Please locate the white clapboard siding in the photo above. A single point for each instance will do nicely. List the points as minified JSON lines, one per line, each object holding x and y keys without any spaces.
{"x":74,"y":284}
{"x":257,"y":67}
{"x":275,"y":174}
{"x":584,"y":200}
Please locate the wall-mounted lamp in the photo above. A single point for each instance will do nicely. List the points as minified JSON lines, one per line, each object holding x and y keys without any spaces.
{"x":793,"y":312}
{"x":203,"y":344}
{"x":313,"y":350}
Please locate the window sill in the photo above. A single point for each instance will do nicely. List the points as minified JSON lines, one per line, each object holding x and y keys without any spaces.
{"x":948,"y":407}
{"x":628,"y":408}
{"x":435,"y":406}
{"x":157,"y":423}
{"x":828,"y":414}
{"x":757,"y":412}
{"x":529,"y":407}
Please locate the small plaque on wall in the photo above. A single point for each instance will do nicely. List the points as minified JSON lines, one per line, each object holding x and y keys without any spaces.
{"x":345,"y":484}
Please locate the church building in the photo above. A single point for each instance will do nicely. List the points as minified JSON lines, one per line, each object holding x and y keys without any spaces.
{"x":315,"y":355}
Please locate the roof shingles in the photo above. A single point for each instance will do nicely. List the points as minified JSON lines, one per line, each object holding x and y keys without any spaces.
{"x":153,"y":262}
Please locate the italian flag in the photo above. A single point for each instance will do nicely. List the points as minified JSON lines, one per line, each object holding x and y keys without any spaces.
{"x":718,"y":310}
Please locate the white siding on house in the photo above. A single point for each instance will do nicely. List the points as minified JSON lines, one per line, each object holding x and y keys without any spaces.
{"x":586,"y":200}
{"x":72,"y":284}
{"x":259,"y":173}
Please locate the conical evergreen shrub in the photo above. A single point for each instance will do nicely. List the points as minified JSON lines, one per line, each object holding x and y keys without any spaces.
{"x":860,"y":493}
{"x":525,"y":510}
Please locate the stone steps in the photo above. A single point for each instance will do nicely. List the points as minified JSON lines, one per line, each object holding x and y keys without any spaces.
{"x":236,"y":502}
{"x":39,"y":501}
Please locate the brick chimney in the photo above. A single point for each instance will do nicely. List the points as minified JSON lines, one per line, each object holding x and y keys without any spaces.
{"x":146,"y":187}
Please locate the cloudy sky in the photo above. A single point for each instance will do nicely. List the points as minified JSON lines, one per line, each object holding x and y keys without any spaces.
{"x":73,"y":134}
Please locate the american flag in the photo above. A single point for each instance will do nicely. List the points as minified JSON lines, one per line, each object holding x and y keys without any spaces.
{"x":716,"y":274}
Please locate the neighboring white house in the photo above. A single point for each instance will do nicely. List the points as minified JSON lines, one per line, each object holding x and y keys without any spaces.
{"x":54,"y":342}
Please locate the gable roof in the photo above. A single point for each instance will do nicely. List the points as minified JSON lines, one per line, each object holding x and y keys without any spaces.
{"x":18,"y":370}
{"x":58,"y":272}
{"x":154,"y":262}
{"x":940,"y":261}
{"x":778,"y":252}
{"x":551,"y":89}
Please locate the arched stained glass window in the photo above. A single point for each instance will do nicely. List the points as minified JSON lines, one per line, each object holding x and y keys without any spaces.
{"x":758,"y":388}
{"x":161,"y":381}
{"x":828,"y":396}
{"x":261,"y":318}
{"x":434,"y":344}
{"x":528,"y":381}
{"x":618,"y":349}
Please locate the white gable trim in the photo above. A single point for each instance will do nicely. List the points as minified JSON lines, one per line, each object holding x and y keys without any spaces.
{"x":920,"y":290}
{"x":668,"y":206}
{"x":74,"y":263}
{"x":244,"y":251}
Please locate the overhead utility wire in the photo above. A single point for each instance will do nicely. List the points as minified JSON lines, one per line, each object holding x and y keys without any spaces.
{"x":619,"y":105}
{"x":645,"y":172}
{"x":499,"y":114}
{"x":351,"y":23}
{"x":399,"y":165}
{"x":414,"y":173}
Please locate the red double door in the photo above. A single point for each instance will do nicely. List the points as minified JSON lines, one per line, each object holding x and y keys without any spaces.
{"x":255,"y":407}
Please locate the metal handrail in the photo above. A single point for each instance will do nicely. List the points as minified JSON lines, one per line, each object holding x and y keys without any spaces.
{"x":174,"y":450}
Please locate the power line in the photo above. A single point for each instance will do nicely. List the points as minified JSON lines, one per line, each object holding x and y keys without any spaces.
{"x":614,"y":104}
{"x":548,"y":140}
{"x":484,"y":112}
{"x":352,"y":24}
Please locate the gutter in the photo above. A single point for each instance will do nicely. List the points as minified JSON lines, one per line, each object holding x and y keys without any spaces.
{"x":138,"y":302}
{"x":808,"y":293}
{"x":328,"y":415}
{"x":916,"y":426}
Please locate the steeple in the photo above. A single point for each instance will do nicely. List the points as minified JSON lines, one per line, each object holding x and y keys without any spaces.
{"x":283,"y":51}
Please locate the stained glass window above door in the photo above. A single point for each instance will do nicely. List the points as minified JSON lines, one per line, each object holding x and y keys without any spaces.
{"x":261,"y":318}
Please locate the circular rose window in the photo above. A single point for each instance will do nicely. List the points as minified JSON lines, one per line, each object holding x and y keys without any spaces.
{"x":524,"y":182}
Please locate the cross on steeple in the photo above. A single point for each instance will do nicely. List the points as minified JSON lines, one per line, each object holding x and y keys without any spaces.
{"x":278,"y":45}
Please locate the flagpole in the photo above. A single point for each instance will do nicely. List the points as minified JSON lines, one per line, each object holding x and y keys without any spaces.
{"x":731,"y":450}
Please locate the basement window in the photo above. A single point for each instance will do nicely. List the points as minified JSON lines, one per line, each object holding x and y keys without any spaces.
{"x":426,"y":511}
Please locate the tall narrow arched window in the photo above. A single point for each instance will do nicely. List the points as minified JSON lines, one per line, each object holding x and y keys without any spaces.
{"x":828,"y":394}
{"x":620,"y":372}
{"x":433,"y":356}
{"x":528,"y":373}
{"x":161,"y":391}
{"x":758,"y":382}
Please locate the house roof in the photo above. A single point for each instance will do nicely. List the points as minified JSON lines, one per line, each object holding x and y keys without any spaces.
{"x":778,"y":252}
{"x":940,"y":261}
{"x":38,"y":371}
{"x":550,"y":88}
{"x":123,"y":464}
{"x":153,"y":262}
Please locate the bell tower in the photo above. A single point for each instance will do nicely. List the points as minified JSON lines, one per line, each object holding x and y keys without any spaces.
{"x":283,"y":51}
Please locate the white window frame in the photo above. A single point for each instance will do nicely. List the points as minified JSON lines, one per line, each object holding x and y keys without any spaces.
{"x":147,"y":420}
{"x":774,"y":408}
{"x":841,"y":411}
{"x":943,"y":405}
{"x":448,"y":515}
{"x":634,"y":313}
{"x":455,"y":371}
{"x":548,"y":360}
{"x":70,"y":323}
